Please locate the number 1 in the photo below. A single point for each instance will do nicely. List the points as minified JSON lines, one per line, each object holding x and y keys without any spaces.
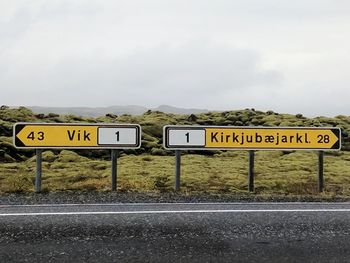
{"x":187,"y":137}
{"x":117,"y":133}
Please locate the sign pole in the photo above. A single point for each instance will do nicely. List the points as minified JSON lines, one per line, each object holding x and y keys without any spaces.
{"x":251,"y":171}
{"x":38,"y":170}
{"x":320,"y":172}
{"x":114,"y":169}
{"x":177,"y":169}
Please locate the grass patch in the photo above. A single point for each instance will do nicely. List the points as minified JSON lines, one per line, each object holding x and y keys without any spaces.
{"x":279,"y":173}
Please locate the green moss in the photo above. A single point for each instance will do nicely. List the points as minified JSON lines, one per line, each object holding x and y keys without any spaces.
{"x":275,"y":173}
{"x":151,"y":168}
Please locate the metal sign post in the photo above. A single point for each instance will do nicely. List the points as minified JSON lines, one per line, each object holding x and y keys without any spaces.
{"x":38,"y":171}
{"x":76,"y":136}
{"x":251,"y":171}
{"x":177,"y":169}
{"x":251,"y":138}
{"x":114,"y":160}
{"x":320,"y":172}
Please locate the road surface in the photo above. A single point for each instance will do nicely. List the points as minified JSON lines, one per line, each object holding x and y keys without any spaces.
{"x":192,"y":232}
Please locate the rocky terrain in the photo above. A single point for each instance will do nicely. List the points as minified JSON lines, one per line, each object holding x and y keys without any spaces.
{"x":152,"y":123}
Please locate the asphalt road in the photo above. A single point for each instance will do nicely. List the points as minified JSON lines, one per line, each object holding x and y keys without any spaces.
{"x":235,"y":232}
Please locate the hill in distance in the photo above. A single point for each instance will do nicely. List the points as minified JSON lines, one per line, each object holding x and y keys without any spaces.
{"x":118,"y":110}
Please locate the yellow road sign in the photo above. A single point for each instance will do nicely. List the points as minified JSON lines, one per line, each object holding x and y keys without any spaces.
{"x":263,"y":138}
{"x":77,"y":135}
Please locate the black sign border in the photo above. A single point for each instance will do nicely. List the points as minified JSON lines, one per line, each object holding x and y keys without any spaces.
{"x":336,"y":131}
{"x":20,"y":145}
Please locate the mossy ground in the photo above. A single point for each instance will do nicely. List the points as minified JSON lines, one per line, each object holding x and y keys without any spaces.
{"x":151,"y":168}
{"x":276,"y":173}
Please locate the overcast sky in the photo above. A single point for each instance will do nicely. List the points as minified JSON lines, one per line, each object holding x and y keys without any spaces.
{"x":281,"y":55}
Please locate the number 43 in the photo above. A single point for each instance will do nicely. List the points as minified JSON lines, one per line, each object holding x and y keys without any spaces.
{"x":39,"y":136}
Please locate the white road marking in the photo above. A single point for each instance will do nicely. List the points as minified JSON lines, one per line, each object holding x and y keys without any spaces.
{"x":191,"y":204}
{"x":174,"y":212}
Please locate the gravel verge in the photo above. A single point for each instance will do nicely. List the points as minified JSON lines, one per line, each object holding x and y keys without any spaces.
{"x":91,"y":197}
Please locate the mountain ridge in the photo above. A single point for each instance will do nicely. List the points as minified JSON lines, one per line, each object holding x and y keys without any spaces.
{"x":118,"y":110}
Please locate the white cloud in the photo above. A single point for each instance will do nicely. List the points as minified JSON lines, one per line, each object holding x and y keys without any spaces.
{"x":185,"y":76}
